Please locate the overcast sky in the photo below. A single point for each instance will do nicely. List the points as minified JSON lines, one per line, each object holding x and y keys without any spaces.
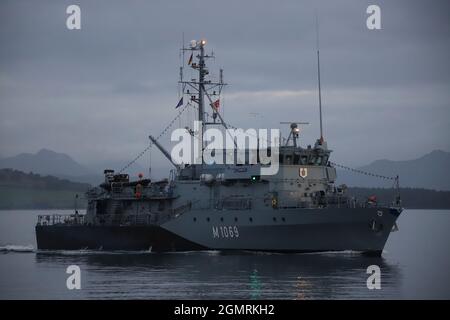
{"x":97,"y":93}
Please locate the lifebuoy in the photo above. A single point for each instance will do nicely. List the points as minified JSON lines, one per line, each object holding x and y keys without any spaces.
{"x":138,"y":191}
{"x":274,"y":202}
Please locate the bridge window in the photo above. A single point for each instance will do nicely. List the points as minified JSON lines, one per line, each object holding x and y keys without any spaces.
{"x":318,"y":160}
{"x":288,"y":160}
{"x":304,"y":159}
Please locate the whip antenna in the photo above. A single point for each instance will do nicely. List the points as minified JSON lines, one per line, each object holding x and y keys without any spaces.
{"x":318,"y":76}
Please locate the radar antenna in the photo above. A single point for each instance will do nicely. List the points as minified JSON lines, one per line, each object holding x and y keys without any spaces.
{"x":295,"y":130}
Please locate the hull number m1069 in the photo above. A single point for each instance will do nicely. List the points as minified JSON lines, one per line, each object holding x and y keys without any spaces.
{"x":225,"y":232}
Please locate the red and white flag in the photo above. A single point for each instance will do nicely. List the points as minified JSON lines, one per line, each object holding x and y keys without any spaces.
{"x":216,"y":104}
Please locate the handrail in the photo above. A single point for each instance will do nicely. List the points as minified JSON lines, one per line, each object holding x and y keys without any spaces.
{"x":106,"y":219}
{"x":59,"y":219}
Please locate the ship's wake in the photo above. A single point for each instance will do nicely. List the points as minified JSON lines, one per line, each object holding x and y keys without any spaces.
{"x":90,"y":252}
{"x":11,"y":248}
{"x":16,"y":248}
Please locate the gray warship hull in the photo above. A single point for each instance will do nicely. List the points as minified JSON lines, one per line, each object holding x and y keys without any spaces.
{"x":298,"y":230}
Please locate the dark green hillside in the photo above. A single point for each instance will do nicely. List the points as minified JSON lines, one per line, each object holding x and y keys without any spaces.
{"x":19,"y":190}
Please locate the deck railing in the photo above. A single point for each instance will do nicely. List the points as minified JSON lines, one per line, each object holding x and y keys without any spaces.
{"x":60,"y":219}
{"x":102,"y":220}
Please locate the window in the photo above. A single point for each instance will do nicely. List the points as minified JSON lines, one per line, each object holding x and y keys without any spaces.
{"x":304,"y":159}
{"x":319,"y":160}
{"x":288,"y":159}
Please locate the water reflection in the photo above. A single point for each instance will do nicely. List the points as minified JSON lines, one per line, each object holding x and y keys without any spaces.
{"x":255,"y":285}
{"x":217,"y":275}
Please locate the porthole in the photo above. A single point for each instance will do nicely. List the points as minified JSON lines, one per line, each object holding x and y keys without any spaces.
{"x":235,"y":219}
{"x":207,"y":219}
{"x":283,"y":219}
{"x":250,"y":219}
{"x":274,"y":219}
{"x":195,"y":219}
{"x":221,"y":219}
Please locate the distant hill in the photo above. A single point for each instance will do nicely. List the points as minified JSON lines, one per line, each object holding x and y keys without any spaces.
{"x":19,"y":190}
{"x":432,"y":171}
{"x":412,"y":198}
{"x":45,"y":162}
{"x":61,"y":165}
{"x":10,"y":177}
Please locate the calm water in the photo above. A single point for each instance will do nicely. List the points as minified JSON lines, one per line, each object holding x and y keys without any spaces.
{"x":415,"y":264}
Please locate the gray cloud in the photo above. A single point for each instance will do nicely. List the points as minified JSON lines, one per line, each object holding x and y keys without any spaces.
{"x":97,"y":93}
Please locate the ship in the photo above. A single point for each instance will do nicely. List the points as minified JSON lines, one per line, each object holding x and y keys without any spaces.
{"x":204,"y":206}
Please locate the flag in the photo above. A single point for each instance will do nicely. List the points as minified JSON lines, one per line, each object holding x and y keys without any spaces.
{"x":180,"y":103}
{"x":216,"y":104}
{"x":190,"y":59}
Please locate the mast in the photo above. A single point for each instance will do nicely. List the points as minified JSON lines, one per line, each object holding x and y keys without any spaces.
{"x":198,"y":89}
{"x":201,"y":77}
